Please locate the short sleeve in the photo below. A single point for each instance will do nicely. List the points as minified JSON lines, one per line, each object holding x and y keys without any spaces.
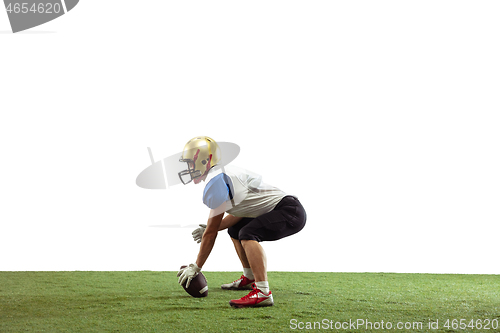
{"x":218,"y":190}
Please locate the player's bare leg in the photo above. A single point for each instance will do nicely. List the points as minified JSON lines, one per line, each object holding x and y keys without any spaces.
{"x":241,"y":253}
{"x":246,"y":280}
{"x":260,"y":295}
{"x":257,"y":259}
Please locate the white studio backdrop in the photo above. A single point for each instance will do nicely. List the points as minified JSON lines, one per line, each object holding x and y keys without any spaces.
{"x":382,"y":117}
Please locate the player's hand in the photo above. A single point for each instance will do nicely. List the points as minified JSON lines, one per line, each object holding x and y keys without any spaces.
{"x":198,"y":233}
{"x":187,"y":274}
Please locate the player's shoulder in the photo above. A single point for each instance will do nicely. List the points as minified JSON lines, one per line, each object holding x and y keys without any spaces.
{"x":218,"y":190}
{"x":212,"y":174}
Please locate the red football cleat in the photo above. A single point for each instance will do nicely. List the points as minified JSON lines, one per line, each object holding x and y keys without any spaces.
{"x":254,"y":299}
{"x":242,"y":283}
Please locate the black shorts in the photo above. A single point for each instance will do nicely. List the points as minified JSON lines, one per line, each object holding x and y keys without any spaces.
{"x":287,"y":218}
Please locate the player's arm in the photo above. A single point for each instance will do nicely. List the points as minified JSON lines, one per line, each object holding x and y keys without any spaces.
{"x":208,"y":239}
{"x":229,"y":221}
{"x":226,"y":222}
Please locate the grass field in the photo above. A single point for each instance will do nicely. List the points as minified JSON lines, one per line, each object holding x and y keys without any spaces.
{"x":148,"y":301}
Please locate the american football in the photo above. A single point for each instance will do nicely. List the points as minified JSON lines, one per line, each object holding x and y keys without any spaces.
{"x":198,"y":286}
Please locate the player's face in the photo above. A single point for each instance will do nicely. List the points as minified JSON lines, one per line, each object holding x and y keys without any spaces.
{"x":200,"y":179}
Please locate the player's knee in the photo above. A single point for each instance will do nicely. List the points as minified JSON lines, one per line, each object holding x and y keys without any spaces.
{"x":247,"y":241}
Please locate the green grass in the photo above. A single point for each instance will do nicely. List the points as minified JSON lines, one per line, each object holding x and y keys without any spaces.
{"x":153,"y":302}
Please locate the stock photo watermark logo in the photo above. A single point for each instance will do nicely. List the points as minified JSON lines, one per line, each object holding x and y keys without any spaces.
{"x":26,"y":14}
{"x":165,"y":172}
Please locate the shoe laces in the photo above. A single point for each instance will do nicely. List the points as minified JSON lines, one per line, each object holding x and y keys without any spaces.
{"x":253,"y":292}
{"x":241,"y":278}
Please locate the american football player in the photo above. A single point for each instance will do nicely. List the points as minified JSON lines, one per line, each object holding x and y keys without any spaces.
{"x":251,"y":210}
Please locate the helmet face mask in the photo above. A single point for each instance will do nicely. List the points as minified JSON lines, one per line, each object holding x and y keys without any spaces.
{"x":200,"y":155}
{"x":190,"y":173}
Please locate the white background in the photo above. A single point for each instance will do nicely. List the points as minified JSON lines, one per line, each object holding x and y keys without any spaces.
{"x":381,"y":116}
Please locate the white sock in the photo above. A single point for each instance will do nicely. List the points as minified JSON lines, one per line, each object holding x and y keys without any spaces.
{"x":263,"y":286}
{"x":248,"y":273}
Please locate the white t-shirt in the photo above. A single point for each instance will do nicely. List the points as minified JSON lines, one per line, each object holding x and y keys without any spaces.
{"x":240,"y":192}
